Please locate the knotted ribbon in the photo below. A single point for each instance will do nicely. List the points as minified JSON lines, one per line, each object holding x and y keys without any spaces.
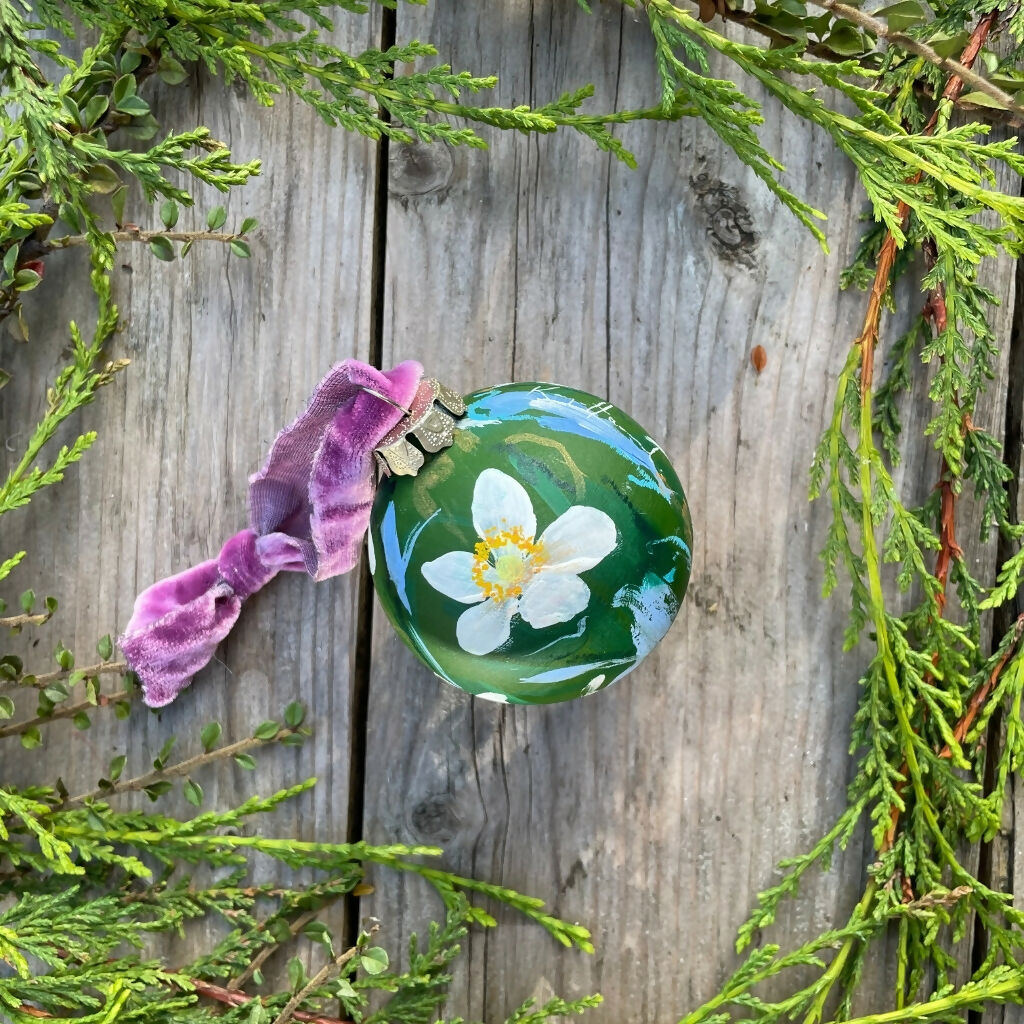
{"x":309,"y":508}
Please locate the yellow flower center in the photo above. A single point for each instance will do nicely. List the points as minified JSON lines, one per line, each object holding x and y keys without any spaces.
{"x":504,"y":561}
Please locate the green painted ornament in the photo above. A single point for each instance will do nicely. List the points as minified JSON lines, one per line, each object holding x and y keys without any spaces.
{"x":541,"y":555}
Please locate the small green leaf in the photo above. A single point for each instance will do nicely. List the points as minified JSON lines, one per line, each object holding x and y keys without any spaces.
{"x":980,"y":99}
{"x":902,"y":15}
{"x":245,"y":761}
{"x":81,"y":720}
{"x":247,"y":225}
{"x":155,"y":790}
{"x":169,"y":214}
{"x":117,"y":767}
{"x":266,"y":730}
{"x":11,"y":260}
{"x":294,"y":714}
{"x":130,"y":61}
{"x":11,"y":666}
{"x":165,"y":752}
{"x":343,"y":989}
{"x":296,"y":974}
{"x":374,"y":960}
{"x":70,"y":216}
{"x":25,"y":280}
{"x":94,"y":110}
{"x":141,"y":129}
{"x":122,"y":709}
{"x":135,"y":106}
{"x":117,"y":199}
{"x":50,"y":603}
{"x":209,"y":736}
{"x":216,"y":217}
{"x":123,"y":88}
{"x":846,"y":40}
{"x":103,"y":179}
{"x":193,"y":792}
{"x":257,"y":979}
{"x":161,"y":248}
{"x":31,"y":738}
{"x":105,"y":647}
{"x":240,"y":248}
{"x":56,"y":692}
{"x":6,"y":707}
{"x":318,"y":932}
{"x":28,"y":600}
{"x":171,"y":71}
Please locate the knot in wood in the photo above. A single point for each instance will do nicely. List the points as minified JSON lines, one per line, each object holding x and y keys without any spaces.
{"x":418,"y":169}
{"x":727,"y":218}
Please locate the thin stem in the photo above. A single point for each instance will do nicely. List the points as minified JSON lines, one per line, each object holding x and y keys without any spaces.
{"x":177,"y":770}
{"x":14,"y":621}
{"x":326,"y":972}
{"x":41,"y":681}
{"x":835,"y":969}
{"x":64,"y":711}
{"x":952,"y":67}
{"x":267,"y":951}
{"x":230,"y":997}
{"x":138,"y":235}
{"x":970,"y":995}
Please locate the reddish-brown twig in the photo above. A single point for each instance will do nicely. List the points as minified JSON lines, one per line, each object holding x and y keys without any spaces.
{"x":867,"y":340}
{"x":232,"y":997}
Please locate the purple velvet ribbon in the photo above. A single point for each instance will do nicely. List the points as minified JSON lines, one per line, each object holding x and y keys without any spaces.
{"x":309,"y":508}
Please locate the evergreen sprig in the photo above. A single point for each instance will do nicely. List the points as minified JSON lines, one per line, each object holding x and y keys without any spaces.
{"x":90,"y":879}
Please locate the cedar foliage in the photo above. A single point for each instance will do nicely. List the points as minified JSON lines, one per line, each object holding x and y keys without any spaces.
{"x":89,"y":882}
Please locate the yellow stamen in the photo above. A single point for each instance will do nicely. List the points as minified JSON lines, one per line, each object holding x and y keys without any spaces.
{"x":512,"y":569}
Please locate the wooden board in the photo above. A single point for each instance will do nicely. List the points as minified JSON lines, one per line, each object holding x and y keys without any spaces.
{"x":224,"y":352}
{"x":654,"y":812}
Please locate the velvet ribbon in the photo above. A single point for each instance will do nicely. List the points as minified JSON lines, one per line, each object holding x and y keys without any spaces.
{"x":309,"y":509}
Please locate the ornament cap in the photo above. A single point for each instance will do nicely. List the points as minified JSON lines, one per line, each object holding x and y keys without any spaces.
{"x":430,"y":418}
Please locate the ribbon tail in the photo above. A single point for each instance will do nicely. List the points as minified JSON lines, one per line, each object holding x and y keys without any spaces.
{"x":178,"y":622}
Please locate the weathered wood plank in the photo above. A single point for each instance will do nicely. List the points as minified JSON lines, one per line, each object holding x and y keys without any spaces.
{"x":655,"y":811}
{"x":224,"y":352}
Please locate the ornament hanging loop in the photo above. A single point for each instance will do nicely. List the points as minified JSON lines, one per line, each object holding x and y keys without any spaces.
{"x":430,"y":419}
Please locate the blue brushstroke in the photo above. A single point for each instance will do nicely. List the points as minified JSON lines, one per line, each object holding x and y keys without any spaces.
{"x":556,"y":675}
{"x":505,"y":406}
{"x":397,"y":557}
{"x":653,"y":605}
{"x":580,"y":630}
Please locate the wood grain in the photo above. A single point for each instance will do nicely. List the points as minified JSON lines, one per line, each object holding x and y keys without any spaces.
{"x":654,"y":812}
{"x":224,"y":352}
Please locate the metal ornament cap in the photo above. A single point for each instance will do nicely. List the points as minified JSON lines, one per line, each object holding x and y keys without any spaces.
{"x":430,"y":418}
{"x":540,"y":555}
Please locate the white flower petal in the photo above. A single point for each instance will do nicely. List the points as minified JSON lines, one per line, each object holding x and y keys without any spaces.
{"x":452,"y":574}
{"x":501,"y":503}
{"x":594,"y":685}
{"x":552,"y":597}
{"x":497,"y":698}
{"x":578,"y":539}
{"x":485,"y":627}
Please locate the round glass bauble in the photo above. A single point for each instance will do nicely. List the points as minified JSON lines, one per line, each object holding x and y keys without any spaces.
{"x":543,"y":555}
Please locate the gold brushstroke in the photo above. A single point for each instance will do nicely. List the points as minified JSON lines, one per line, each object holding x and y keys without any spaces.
{"x":579,"y":480}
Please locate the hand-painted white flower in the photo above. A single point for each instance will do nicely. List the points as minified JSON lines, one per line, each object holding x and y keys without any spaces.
{"x":510,"y":572}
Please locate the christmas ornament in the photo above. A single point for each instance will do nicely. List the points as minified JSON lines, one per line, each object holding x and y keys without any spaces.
{"x":530,"y":544}
{"x":540,"y":556}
